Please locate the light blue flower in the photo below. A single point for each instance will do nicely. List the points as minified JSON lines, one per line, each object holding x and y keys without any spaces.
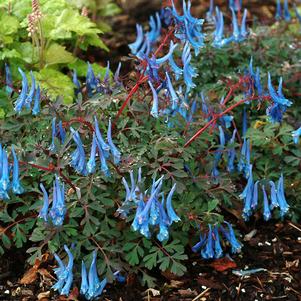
{"x":172,"y":93}
{"x":30,"y":95}
{"x":286,"y":13}
{"x":84,"y":283}
{"x":4,"y":181}
{"x":115,"y":152}
{"x":278,"y":98}
{"x":91,"y":81}
{"x":100,"y":141}
{"x":218,"y":251}
{"x":296,"y":135}
{"x":266,"y":208}
{"x":37,"y":100}
{"x":235,"y":244}
{"x":16,"y":185}
{"x":52,"y":147}
{"x":20,"y":102}
{"x":173,"y":217}
{"x":283,"y":205}
{"x":155,"y":106}
{"x":91,"y":165}
{"x":44,"y":210}
{"x":199,"y":244}
{"x":231,"y":153}
{"x":78,"y":158}
{"x":134,"y":47}
{"x":208,"y":251}
{"x":278,"y":15}
{"x":255,"y":196}
{"x":274,"y":198}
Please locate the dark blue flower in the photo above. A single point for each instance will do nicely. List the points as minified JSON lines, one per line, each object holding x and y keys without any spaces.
{"x":199,"y":244}
{"x":230,"y":236}
{"x":218,"y":251}
{"x":278,"y":15}
{"x":78,"y":157}
{"x":278,"y":98}
{"x":208,"y":251}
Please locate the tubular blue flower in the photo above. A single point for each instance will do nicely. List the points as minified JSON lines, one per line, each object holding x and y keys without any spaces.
{"x":286,"y":13}
{"x":175,"y":68}
{"x":208,"y":251}
{"x":166,"y":57}
{"x":173,"y":217}
{"x":231,"y":153}
{"x":172,"y":93}
{"x":22,"y":97}
{"x":84,"y":283}
{"x":69,"y":279}
{"x":16,"y":185}
{"x":199,"y":244}
{"x":195,"y":43}
{"x":209,"y":14}
{"x":230,"y":236}
{"x":103,"y":163}
{"x":278,"y":15}
{"x":189,"y":72}
{"x":103,"y":146}
{"x":8,"y":80}
{"x":219,"y":40}
{"x":64,"y":273}
{"x":52,"y":147}
{"x":76,"y":83}
{"x":139,"y":210}
{"x":244,"y":161}
{"x":164,"y":222}
{"x":114,"y":150}
{"x":4,"y":181}
{"x":235,"y":4}
{"x":192,"y":111}
{"x":106,"y":79}
{"x":218,"y":251}
{"x":298,"y":15}
{"x":266,"y":207}
{"x":278,"y":98}
{"x":155,"y":106}
{"x":44,"y":210}
{"x":226,"y":120}
{"x":274,"y":198}
{"x":134,"y":47}
{"x":283,"y":205}
{"x":117,"y":75}
{"x":91,"y":165}
{"x":30,"y":95}
{"x":255,"y":196}
{"x":58,"y":209}
{"x":296,"y":135}
{"x":36,"y":104}
{"x":62,"y":132}
{"x":154,"y":213}
{"x":243,"y":29}
{"x":247,"y":195}
{"x":155,"y":26}
{"x":78,"y":158}
{"x":91,"y":81}
{"x":236,"y":33}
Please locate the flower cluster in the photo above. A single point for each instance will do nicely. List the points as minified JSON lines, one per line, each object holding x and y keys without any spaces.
{"x":150,"y":211}
{"x":286,"y":14}
{"x":277,"y":197}
{"x":239,"y":33}
{"x":210,"y":245}
{"x":99,"y":146}
{"x":64,"y":273}
{"x":5,"y":170}
{"x":27,"y":96}
{"x":58,"y":208}
{"x":91,"y":286}
{"x":94,"y":84}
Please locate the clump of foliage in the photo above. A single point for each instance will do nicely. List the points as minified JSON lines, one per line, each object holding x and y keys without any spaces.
{"x":201,"y":133}
{"x":45,"y":37}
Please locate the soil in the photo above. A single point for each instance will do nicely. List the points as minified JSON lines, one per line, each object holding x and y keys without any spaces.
{"x":275,"y":248}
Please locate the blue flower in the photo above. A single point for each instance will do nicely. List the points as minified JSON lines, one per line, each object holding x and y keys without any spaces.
{"x":16,"y":185}
{"x":172,"y":47}
{"x":103,"y":162}
{"x":36,"y":105}
{"x":175,"y":68}
{"x":44,"y":210}
{"x":230,"y":236}
{"x":64,"y":274}
{"x":173,"y":217}
{"x":298,"y":15}
{"x":58,"y":209}
{"x":155,"y":106}
{"x":247,"y":196}
{"x":244,"y":122}
{"x":266,"y":207}
{"x":115,"y":152}
{"x":139,"y":40}
{"x":209,"y":14}
{"x":257,"y":83}
{"x":164,"y":222}
{"x":236,"y":5}
{"x":296,"y":135}
{"x":208,"y":251}
{"x":53,"y":132}
{"x":91,"y":163}
{"x":218,"y":251}
{"x":239,"y":34}
{"x":172,"y":93}
{"x":278,"y":98}
{"x":4,"y":181}
{"x":231,"y":153}
{"x":117,"y":75}
{"x":283,"y":205}
{"x":76,"y":82}
{"x":91,"y":81}
{"x":189,"y":71}
{"x":30,"y":95}
{"x":22,"y":97}
{"x":62,"y":132}
{"x":78,"y":158}
{"x":286,"y":13}
{"x":274,"y":198}
{"x":199,"y":244}
{"x":155,"y":26}
{"x":84,"y":283}
{"x":255,"y":196}
{"x":244,"y":161}
{"x":278,"y":15}
{"x":103,"y":146}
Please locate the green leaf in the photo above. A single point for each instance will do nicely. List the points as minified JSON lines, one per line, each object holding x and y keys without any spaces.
{"x":57,"y":54}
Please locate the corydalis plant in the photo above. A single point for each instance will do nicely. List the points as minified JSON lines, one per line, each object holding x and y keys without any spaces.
{"x":150,"y":210}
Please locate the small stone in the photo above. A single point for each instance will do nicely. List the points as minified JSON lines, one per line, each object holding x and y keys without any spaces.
{"x":260,"y":244}
{"x":204,"y":287}
{"x":6,"y":292}
{"x":194,"y":263}
{"x":267,"y":243}
{"x":243,"y":290}
{"x":274,"y":239}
